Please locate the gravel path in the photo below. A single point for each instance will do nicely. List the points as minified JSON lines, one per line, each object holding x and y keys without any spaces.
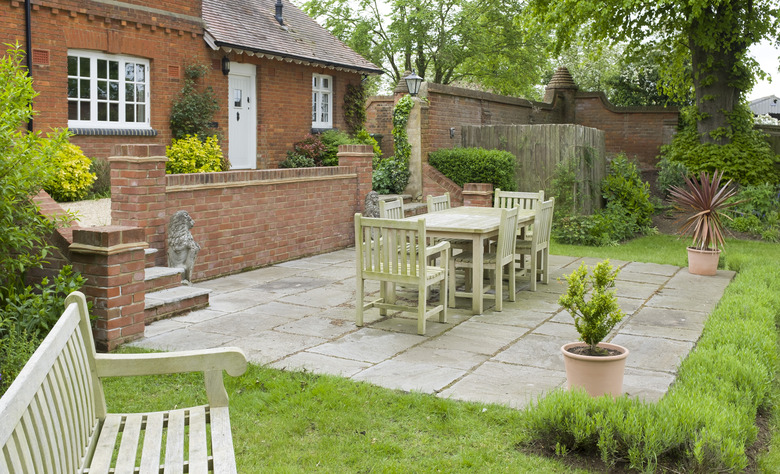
{"x":92,"y":213}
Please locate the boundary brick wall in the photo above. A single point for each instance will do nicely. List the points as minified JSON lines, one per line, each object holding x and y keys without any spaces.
{"x":637,"y":131}
{"x":243,"y":219}
{"x":170,"y":41}
{"x":379,"y":120}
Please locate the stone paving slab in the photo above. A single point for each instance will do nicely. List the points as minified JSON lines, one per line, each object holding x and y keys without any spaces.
{"x":299,"y":315}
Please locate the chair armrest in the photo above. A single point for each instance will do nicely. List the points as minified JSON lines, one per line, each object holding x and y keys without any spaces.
{"x":442,"y":246}
{"x":231,"y":359}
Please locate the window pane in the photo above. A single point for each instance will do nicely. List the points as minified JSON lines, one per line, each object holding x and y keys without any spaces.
{"x":236,"y":97}
{"x":102,"y":90}
{"x":315,"y":81}
{"x":73,"y":88}
{"x":102,"y":111}
{"x":140,"y":93}
{"x":84,"y":88}
{"x":129,"y":93}
{"x":113,"y":91}
{"x":324,"y":108}
{"x":102,"y":71}
{"x":73,"y":66}
{"x":113,"y":112}
{"x":85,"y":111}
{"x":129,"y":113}
{"x":325,"y":83}
{"x":129,"y":72}
{"x":113,"y":70}
{"x":84,"y":67}
{"x":140,"y":73}
{"x":73,"y":110}
{"x":141,"y":113}
{"x":314,"y":107}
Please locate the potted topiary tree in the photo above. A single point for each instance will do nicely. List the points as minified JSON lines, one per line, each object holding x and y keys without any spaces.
{"x":591,"y":364}
{"x":703,"y":201}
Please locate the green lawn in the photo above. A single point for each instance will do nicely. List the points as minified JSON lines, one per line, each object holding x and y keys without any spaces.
{"x":300,"y":422}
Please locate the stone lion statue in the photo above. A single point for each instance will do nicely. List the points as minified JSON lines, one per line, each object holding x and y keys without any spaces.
{"x":372,"y":205}
{"x":182,"y":248}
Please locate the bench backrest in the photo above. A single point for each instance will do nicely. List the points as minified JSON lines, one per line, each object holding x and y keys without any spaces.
{"x":56,"y":403}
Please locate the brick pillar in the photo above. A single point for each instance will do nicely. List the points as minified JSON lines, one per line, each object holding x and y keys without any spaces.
{"x":361,"y":158}
{"x":478,"y":194}
{"x":138,"y":192}
{"x":111,"y":259}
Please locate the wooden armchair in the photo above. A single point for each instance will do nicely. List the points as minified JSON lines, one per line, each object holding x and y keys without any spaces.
{"x":500,"y":256}
{"x":523,"y":200}
{"x":394,"y":252}
{"x":539,"y":245}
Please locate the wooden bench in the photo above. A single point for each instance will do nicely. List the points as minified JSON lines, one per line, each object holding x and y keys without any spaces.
{"x":53,"y":418}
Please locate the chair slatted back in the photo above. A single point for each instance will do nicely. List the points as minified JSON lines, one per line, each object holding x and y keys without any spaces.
{"x":393,"y":209}
{"x":438,"y":203}
{"x":523,"y":200}
{"x":389,"y":249}
{"x":56,"y":401}
{"x":543,"y":224}
{"x":507,"y":233}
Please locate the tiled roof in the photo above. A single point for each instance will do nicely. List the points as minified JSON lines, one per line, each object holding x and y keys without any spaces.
{"x":250,"y":26}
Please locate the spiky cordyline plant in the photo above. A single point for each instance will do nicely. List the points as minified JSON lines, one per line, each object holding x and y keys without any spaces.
{"x":704,"y":199}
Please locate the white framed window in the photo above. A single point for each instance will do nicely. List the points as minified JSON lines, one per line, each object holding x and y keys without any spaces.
{"x":321,"y":101}
{"x":107,"y":91}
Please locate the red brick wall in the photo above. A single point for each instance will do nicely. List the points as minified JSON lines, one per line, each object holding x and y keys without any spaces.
{"x":379,"y":120}
{"x":170,"y":42}
{"x":436,"y":184}
{"x":636,"y":131}
{"x":243,"y":219}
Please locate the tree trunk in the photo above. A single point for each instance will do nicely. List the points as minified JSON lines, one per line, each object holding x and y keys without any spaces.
{"x":715,"y":73}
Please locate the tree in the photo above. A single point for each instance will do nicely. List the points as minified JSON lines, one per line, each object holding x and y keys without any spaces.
{"x":193,"y":110}
{"x":713,"y":36}
{"x":442,"y":40}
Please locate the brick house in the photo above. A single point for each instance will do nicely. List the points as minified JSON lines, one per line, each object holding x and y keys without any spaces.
{"x":109,"y":70}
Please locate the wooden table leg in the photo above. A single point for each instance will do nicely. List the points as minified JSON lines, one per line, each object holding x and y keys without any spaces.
{"x":477,"y":274}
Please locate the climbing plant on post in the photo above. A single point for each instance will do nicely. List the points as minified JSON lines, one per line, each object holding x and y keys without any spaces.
{"x":392,"y":174}
{"x":355,"y":107}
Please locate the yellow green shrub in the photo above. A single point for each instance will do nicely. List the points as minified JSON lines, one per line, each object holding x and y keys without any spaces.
{"x":190,"y":155}
{"x":71,"y":180}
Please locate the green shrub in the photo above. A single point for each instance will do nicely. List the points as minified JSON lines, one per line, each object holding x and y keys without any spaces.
{"x":364,"y":138}
{"x":757,"y":211}
{"x":476,"y":165}
{"x":355,"y":107}
{"x":332,"y":139}
{"x":624,"y":186}
{"x":390,"y":176}
{"x":72,"y":179}
{"x":16,"y":348}
{"x":748,"y":159}
{"x":670,"y":174}
{"x":193,"y":110}
{"x":730,"y":371}
{"x":312,"y":148}
{"x":101,"y":168}
{"x":296,"y":161}
{"x":190,"y":155}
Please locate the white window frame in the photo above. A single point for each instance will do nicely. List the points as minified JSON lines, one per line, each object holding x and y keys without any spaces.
{"x":317,"y":91}
{"x":139,"y":103}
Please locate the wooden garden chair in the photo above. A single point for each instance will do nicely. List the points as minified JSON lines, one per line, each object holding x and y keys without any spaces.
{"x":501,"y":255}
{"x":393,"y":209}
{"x":393,"y":252}
{"x":440,"y":203}
{"x":523,"y":200}
{"x":539,"y":245}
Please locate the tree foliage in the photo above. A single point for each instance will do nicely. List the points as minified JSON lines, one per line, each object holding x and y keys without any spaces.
{"x":712,"y":36}
{"x":442,"y":40}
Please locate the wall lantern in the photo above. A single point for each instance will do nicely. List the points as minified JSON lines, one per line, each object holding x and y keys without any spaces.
{"x":225,"y":65}
{"x":413,"y":82}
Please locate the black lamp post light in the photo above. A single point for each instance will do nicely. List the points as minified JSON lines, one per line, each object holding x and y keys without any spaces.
{"x":413,"y":82}
{"x":225,"y":65}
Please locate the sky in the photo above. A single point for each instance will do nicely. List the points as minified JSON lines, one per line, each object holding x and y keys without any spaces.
{"x":766,"y":55}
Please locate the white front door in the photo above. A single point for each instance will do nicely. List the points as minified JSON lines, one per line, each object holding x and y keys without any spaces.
{"x":243,"y":116}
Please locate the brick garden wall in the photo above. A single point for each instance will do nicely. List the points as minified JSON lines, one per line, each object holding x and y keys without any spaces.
{"x":379,"y":120}
{"x":170,"y":42}
{"x":636,"y":131}
{"x":243,"y":219}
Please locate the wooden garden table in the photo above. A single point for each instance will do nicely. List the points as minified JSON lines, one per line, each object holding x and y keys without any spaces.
{"x":477,"y":224}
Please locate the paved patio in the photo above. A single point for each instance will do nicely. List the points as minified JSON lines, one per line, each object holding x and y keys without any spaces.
{"x":300,"y":315}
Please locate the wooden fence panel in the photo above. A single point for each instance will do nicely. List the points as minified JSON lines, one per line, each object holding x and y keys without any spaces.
{"x":540,"y":148}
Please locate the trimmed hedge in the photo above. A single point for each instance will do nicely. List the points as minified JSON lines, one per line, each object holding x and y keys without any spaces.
{"x":476,"y":165}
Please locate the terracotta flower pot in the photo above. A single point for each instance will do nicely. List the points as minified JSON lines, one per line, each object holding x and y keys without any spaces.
{"x":596,"y":374}
{"x":703,"y":262}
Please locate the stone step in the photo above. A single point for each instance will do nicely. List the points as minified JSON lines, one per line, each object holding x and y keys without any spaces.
{"x":167,"y":303}
{"x":150,"y":255}
{"x":162,"y":278}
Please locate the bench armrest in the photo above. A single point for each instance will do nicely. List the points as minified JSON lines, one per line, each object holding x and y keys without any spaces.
{"x":209,"y":361}
{"x":438,"y":248}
